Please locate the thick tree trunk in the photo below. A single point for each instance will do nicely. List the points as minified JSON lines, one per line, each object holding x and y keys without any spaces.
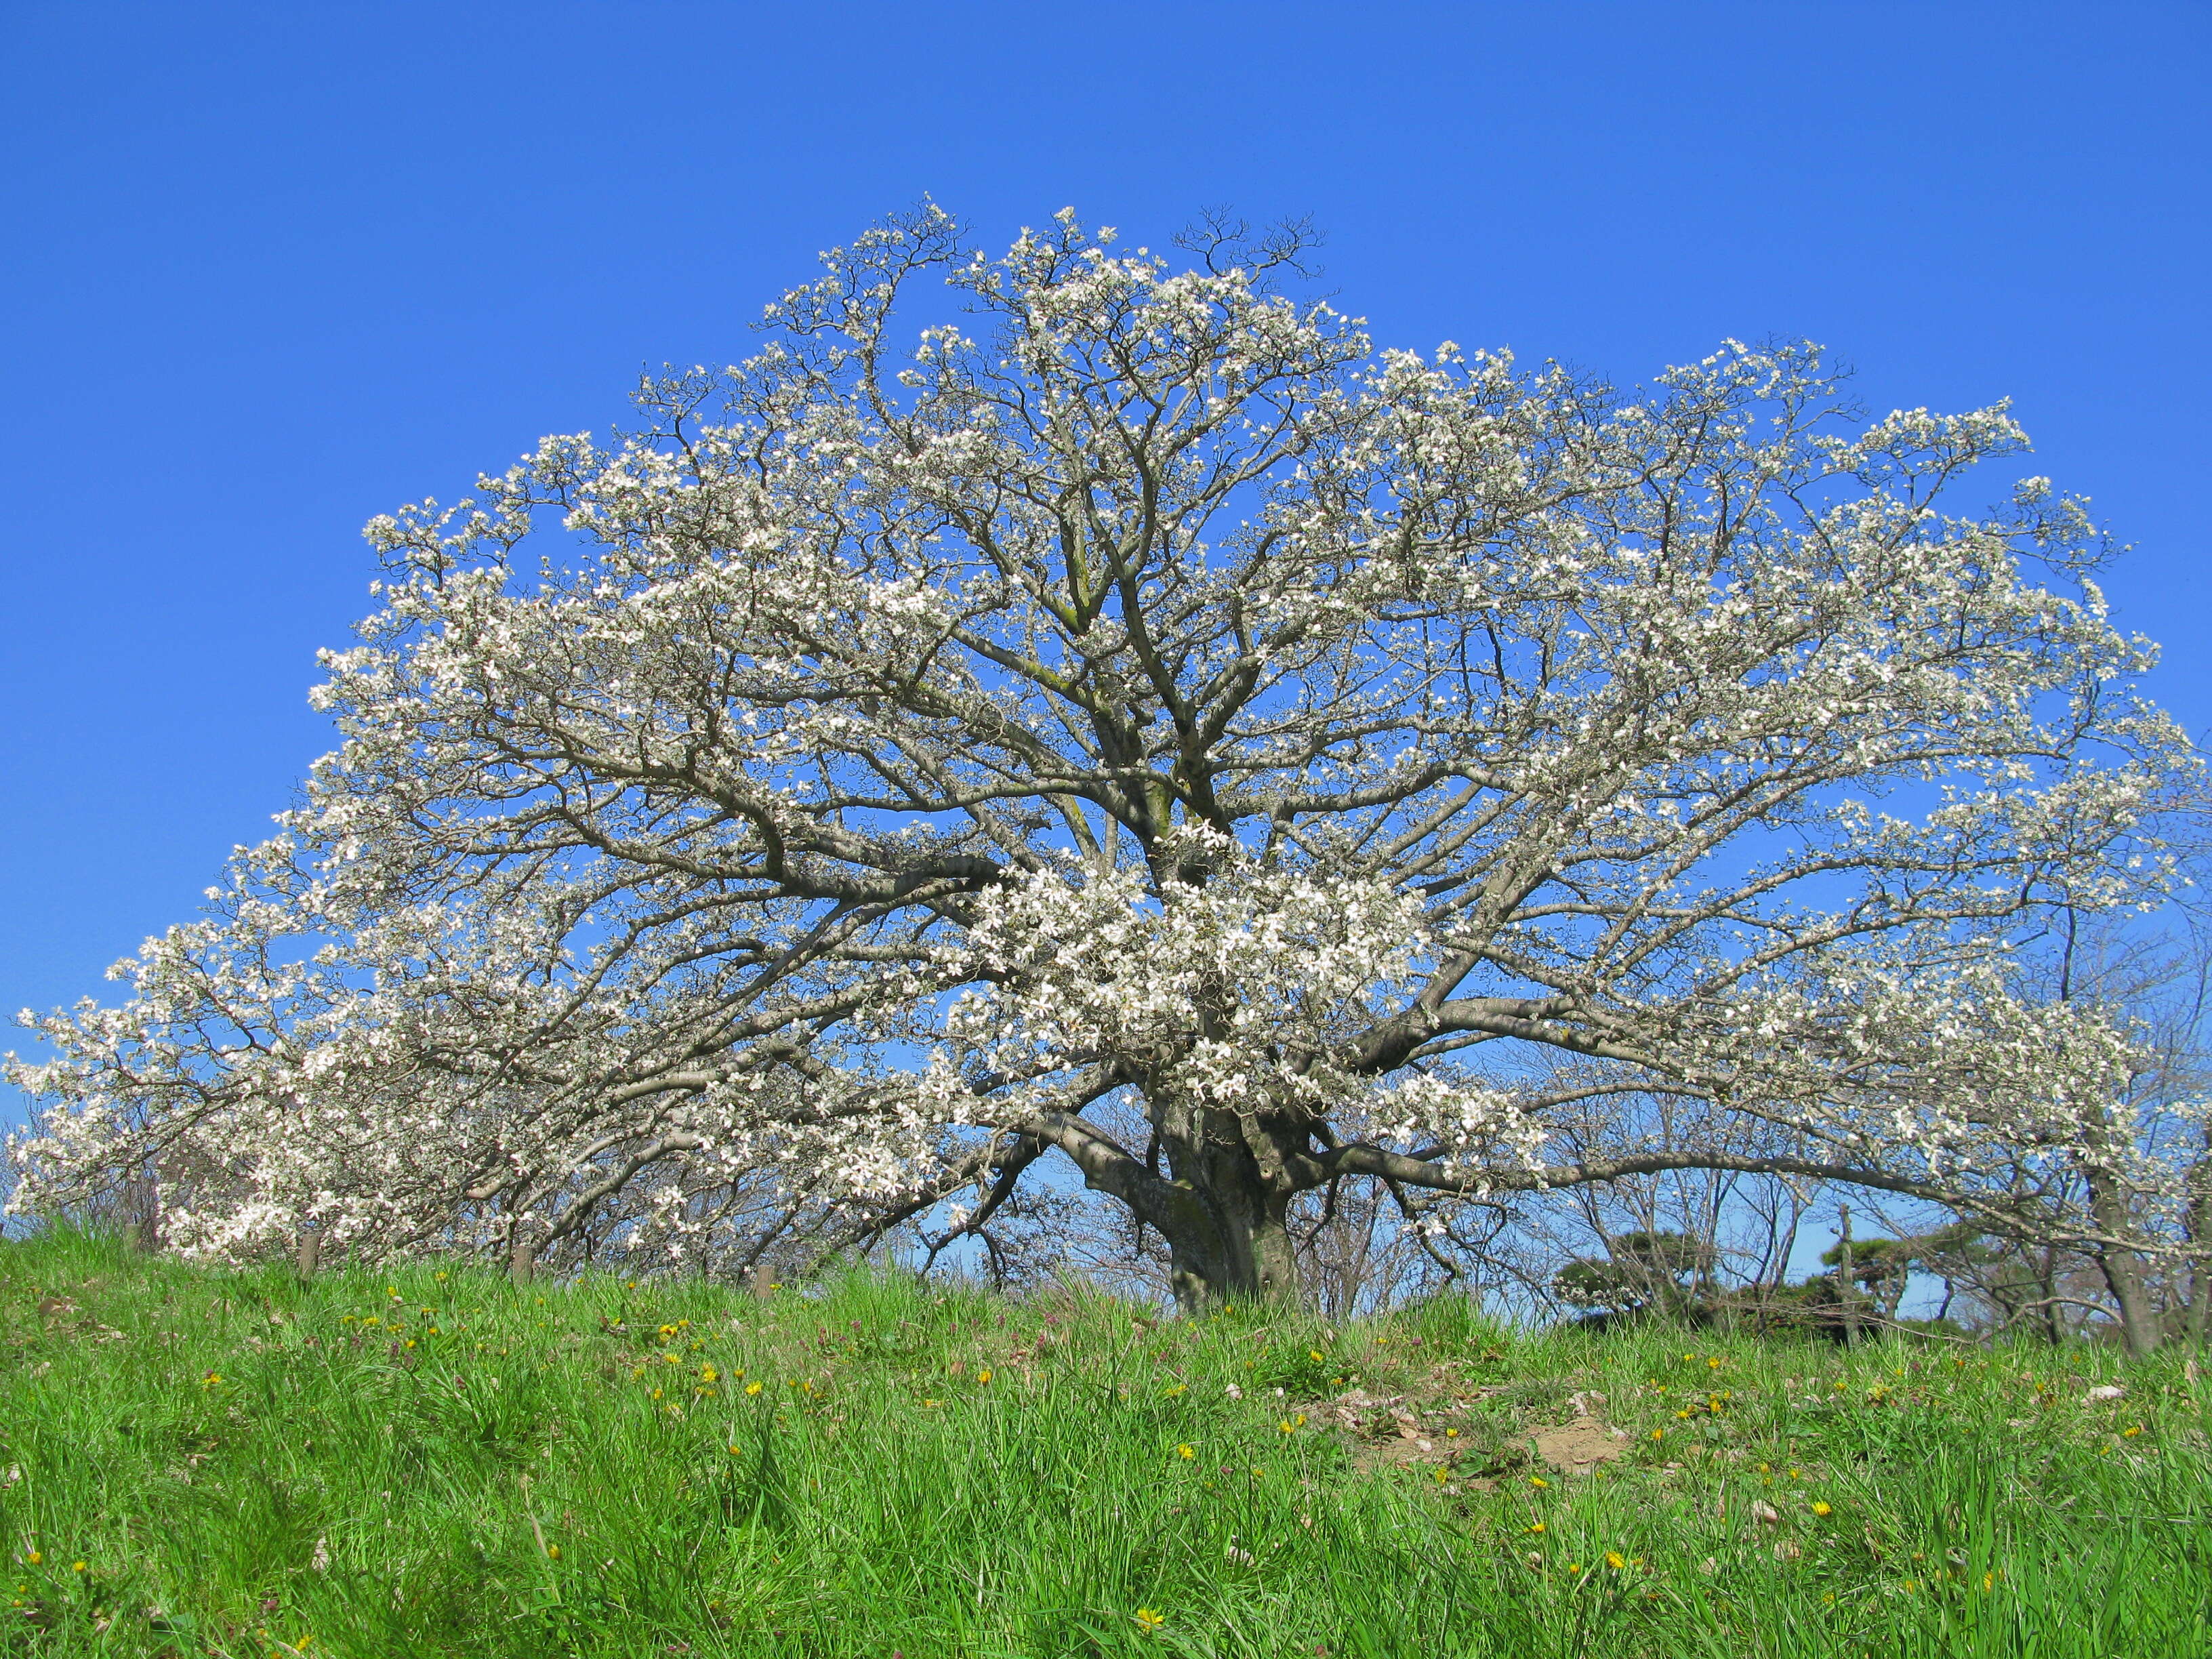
{"x":2122,"y":1268}
{"x":1226,"y":1219}
{"x":521,"y":1257}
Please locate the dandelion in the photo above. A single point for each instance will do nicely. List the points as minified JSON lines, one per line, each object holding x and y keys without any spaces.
{"x":1574,"y":1566}
{"x":1451,"y":1434}
{"x":752,"y":1388}
{"x":35,"y":1557}
{"x":1185,"y":1453}
{"x":552,"y":1551}
{"x":1149,"y":1621}
{"x":671,"y":1359}
{"x":707,"y":1373}
{"x":1822,"y":1508}
{"x":983,"y":1377}
{"x":1315,"y":1355}
{"x":1180,"y":1388}
{"x":656,"y":1393}
{"x":1658,"y":1434}
{"x":1614,"y":1560}
{"x":2131,"y":1433}
{"x":78,"y":1567}
{"x":1535,"y":1526}
{"x":1538,"y":1481}
{"x":1989,"y":1581}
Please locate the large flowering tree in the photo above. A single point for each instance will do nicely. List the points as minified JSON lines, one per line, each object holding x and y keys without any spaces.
{"x":1137,"y":699}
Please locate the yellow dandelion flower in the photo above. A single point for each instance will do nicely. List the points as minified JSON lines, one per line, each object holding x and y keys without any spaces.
{"x":1315,"y":1355}
{"x":1535,"y":1526}
{"x":752,"y":1388}
{"x":1149,"y":1621}
{"x":78,"y":1567}
{"x":1823,"y":1507}
{"x":983,"y":1375}
{"x":2131,"y":1433}
{"x":1658,"y":1434}
{"x":1538,"y":1480}
{"x":1614,"y":1560}
{"x":553,"y":1552}
{"x":35,"y":1557}
{"x":656,"y":1393}
{"x":707,"y":1373}
{"x":1185,"y":1453}
{"x":1180,"y":1388}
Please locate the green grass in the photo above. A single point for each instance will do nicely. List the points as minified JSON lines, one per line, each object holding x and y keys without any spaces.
{"x":422,"y":1464}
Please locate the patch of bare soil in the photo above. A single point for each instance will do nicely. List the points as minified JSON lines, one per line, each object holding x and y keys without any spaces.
{"x":1395,"y":1430}
{"x":1398,"y":1431}
{"x":1578,"y":1447}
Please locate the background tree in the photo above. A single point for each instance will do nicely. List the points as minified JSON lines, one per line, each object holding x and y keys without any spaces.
{"x":1142,"y":701}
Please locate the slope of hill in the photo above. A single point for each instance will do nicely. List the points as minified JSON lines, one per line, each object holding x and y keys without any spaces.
{"x":434,"y":1462}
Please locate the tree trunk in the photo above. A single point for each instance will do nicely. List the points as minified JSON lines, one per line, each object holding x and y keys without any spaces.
{"x":2122,"y":1267}
{"x":2199,"y":1232}
{"x":309,"y":1254}
{"x":1226,"y":1218}
{"x":521,"y":1256}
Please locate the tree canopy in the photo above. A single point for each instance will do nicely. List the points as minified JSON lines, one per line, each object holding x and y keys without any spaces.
{"x":1138,"y":700}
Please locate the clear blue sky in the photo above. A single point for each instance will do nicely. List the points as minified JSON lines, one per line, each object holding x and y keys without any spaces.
{"x":269,"y":271}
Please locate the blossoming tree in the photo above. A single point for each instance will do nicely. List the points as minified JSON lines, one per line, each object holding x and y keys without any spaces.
{"x":1138,"y":690}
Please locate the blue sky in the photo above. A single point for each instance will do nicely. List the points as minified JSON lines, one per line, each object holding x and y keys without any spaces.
{"x":267,"y":271}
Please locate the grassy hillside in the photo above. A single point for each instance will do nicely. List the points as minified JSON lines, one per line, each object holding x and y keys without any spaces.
{"x":434,"y":1463}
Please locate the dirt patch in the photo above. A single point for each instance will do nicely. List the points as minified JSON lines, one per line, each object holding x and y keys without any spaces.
{"x":1457,"y":1435}
{"x":1393,"y":1429}
{"x":1578,"y":1447}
